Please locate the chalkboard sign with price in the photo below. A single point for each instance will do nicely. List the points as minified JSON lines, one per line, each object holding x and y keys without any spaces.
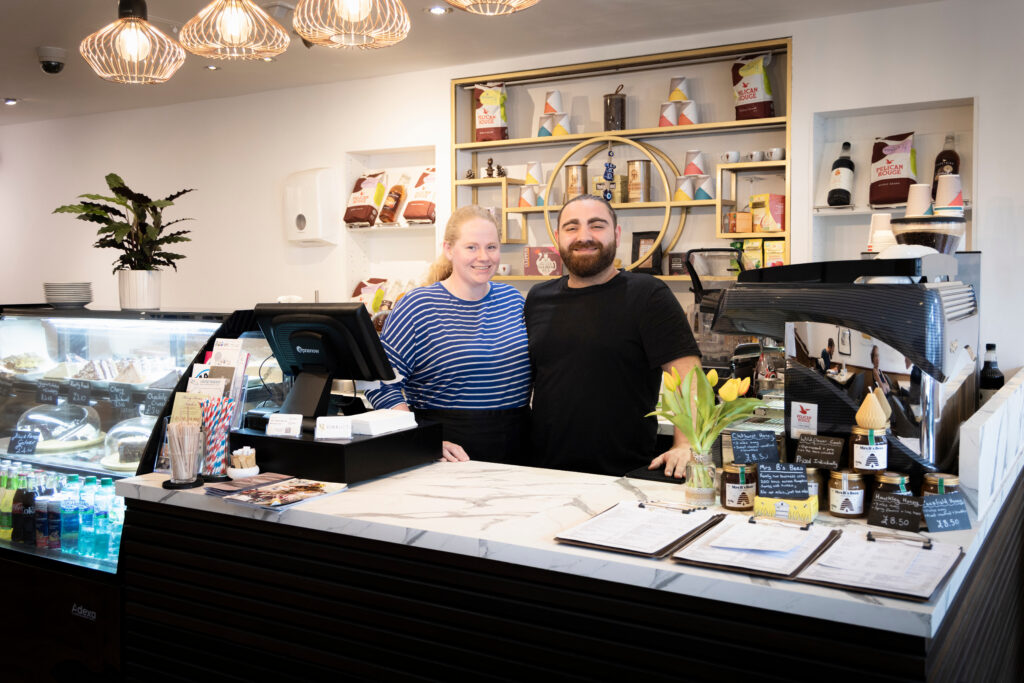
{"x":754,"y":447}
{"x":155,"y":400}
{"x":23,"y":443}
{"x":47,"y":391}
{"x":947,"y":512}
{"x":79,"y":391}
{"x":895,"y":512}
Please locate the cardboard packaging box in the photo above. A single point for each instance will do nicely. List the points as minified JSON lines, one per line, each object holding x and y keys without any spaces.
{"x":774,"y":253}
{"x":542,"y":261}
{"x":769,"y":212}
{"x":740,"y":221}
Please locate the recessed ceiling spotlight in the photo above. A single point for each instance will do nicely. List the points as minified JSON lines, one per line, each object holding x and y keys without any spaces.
{"x":213,"y":67}
{"x":438,"y":10}
{"x":10,"y":101}
{"x":269,"y":59}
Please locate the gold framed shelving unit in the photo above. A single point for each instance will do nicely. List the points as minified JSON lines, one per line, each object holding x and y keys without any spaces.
{"x":709,"y":69}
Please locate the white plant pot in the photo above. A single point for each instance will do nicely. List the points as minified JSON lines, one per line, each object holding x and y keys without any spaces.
{"x":139,"y":290}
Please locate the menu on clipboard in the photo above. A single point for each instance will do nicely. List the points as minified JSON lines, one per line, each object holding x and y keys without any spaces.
{"x":893,"y":565}
{"x":633,"y":527}
{"x":764,"y":546}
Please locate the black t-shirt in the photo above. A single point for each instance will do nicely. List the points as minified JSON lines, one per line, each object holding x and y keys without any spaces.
{"x":597,"y":354}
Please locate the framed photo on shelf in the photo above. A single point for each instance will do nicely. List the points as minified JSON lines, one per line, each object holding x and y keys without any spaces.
{"x":642,"y":243}
{"x":844,"y":346}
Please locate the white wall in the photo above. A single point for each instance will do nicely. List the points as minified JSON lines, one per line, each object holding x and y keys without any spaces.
{"x":237,"y":152}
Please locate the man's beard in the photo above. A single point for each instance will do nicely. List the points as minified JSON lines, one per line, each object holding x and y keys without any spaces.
{"x":590,"y":264}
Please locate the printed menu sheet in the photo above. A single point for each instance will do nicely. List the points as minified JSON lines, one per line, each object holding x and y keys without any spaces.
{"x":633,"y":527}
{"x":765,"y":547}
{"x":886,"y":565}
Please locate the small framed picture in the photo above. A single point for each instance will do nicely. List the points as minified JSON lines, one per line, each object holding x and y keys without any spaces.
{"x":844,"y":341}
{"x":643,"y":242}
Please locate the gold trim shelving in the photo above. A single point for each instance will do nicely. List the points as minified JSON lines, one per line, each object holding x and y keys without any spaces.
{"x":637,"y":72}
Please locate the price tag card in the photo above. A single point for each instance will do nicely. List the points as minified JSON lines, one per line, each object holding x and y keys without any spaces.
{"x":284,"y":424}
{"x":208,"y":386}
{"x":47,"y":391}
{"x":782,"y":480}
{"x":120,"y":395}
{"x":819,"y":451}
{"x":80,"y":391}
{"x":895,"y":512}
{"x":155,"y":401}
{"x":23,"y":443}
{"x":754,"y":447}
{"x":947,"y":512}
{"x":337,"y":427}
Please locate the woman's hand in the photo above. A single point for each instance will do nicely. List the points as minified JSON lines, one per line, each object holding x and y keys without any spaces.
{"x":452,"y":452}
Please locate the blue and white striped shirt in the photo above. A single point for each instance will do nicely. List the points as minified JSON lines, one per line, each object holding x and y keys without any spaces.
{"x":454,"y":354}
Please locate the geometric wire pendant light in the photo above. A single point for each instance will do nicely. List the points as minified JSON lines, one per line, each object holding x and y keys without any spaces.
{"x":366,"y":24}
{"x":492,"y":7}
{"x":233,"y":29}
{"x":131,"y":50}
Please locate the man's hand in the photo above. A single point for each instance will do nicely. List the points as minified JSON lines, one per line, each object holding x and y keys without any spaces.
{"x":674,"y":461}
{"x":453,"y":452}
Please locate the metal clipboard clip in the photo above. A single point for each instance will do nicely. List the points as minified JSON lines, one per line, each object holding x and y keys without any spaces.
{"x":679,"y":507}
{"x":924,"y":541}
{"x":754,"y":519}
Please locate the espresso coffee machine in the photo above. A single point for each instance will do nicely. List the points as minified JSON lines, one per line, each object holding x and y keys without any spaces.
{"x":905,"y":325}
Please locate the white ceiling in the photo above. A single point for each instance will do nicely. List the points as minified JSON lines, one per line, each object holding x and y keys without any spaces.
{"x":434,"y":42}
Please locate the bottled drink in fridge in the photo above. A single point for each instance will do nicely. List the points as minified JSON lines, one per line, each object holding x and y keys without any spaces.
{"x":17,"y":508}
{"x":69,"y":523}
{"x":991,"y":375}
{"x":840,"y":183}
{"x":6,"y":500}
{"x":86,"y":511}
{"x":101,"y":518}
{"x":947,"y":162}
{"x":53,"y":521}
{"x":28,"y":512}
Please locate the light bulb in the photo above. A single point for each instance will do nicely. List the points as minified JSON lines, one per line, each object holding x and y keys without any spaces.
{"x":132,"y":43}
{"x":234,"y":25}
{"x":353,"y":11}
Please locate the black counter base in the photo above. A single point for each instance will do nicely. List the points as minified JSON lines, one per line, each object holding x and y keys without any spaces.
{"x":278,"y":601}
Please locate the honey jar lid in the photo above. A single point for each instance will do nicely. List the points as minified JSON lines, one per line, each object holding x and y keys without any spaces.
{"x":734,"y":468}
{"x":891,"y":478}
{"x":862,"y":431}
{"x":850,"y":474}
{"x":948,"y":479}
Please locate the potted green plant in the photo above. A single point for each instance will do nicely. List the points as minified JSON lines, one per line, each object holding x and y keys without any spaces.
{"x":690,"y":405}
{"x":133,"y":223}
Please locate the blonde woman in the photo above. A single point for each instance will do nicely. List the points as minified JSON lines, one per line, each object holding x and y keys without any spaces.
{"x":459,"y":349}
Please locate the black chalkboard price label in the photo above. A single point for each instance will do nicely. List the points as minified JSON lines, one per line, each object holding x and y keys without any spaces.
{"x":892,"y":511}
{"x":23,"y":443}
{"x":79,"y":391}
{"x":155,"y":401}
{"x":47,"y":391}
{"x":819,"y":451}
{"x":754,"y":447}
{"x":946,"y":512}
{"x":782,"y":480}
{"x":120,"y":395}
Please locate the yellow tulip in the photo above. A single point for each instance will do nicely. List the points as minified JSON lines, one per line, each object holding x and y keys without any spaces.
{"x":675,"y":374}
{"x":744,"y":386}
{"x":670,"y":382}
{"x":713,"y":378}
{"x":728,"y":392}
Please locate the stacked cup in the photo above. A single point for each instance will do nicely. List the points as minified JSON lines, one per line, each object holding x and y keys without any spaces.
{"x":553,"y":121}
{"x":680,"y":110}
{"x":695,"y":183}
{"x":949,"y":196}
{"x":532,"y":193}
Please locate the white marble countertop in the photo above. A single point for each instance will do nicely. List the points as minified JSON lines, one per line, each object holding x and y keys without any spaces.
{"x":511,"y":514}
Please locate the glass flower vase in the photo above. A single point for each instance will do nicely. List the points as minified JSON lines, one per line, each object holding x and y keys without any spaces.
{"x":700,"y":480}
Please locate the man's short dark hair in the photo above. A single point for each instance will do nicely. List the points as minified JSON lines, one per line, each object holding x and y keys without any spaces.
{"x":593,"y":198}
{"x":831,"y":343}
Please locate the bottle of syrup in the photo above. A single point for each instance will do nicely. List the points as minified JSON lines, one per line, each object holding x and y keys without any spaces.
{"x":840,"y":184}
{"x":991,"y":379}
{"x":947,"y":162}
{"x":389,"y":211}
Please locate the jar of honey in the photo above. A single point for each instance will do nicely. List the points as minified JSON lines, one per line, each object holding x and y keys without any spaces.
{"x":937,"y":483}
{"x":846,"y":494}
{"x":738,"y":486}
{"x":869,"y":450}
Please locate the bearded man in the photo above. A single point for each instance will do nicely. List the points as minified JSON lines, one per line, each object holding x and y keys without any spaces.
{"x":599,"y":340}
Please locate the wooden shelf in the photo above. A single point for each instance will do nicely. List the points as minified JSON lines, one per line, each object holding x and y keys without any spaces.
{"x":487,"y":182}
{"x":778,"y":234}
{"x":779,"y":122}
{"x":755,"y":165}
{"x":617,"y":206}
{"x":666,"y":278}
{"x":393,"y":228}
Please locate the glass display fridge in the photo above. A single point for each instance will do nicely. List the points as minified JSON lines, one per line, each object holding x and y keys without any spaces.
{"x":80,"y":395}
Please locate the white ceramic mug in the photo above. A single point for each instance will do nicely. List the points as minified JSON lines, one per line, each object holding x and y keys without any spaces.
{"x":775,"y":154}
{"x":754,"y":156}
{"x":504,"y":269}
{"x":730,"y":157}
